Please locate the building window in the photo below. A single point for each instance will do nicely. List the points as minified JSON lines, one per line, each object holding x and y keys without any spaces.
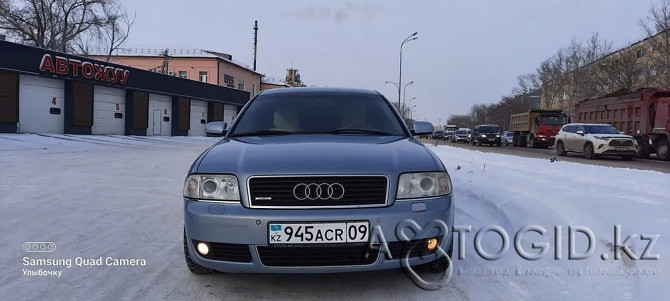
{"x":240,"y":85}
{"x":229,"y":81}
{"x":183,"y":74}
{"x":203,"y":76}
{"x":253,"y":91}
{"x":641,"y":53}
{"x":657,"y":47}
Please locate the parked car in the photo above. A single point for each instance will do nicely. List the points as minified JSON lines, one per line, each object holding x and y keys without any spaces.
{"x":486,"y":134}
{"x":438,"y":135}
{"x":448,"y":135}
{"x":594,"y":140}
{"x":507,"y":138}
{"x":301,"y":179}
{"x":460,"y":136}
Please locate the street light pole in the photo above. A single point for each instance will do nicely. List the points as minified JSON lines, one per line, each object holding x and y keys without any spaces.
{"x":411,"y":37}
{"x":409,"y":104}
{"x":397,"y":86}
{"x":404,"y":93}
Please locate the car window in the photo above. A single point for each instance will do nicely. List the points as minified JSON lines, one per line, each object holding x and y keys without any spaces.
{"x":568,"y":129}
{"x":489,"y":129}
{"x":318,"y":113}
{"x":554,"y":120}
{"x":600,"y":129}
{"x":579,"y":128}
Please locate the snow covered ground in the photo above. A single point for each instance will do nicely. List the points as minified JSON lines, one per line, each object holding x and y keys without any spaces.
{"x":120,"y":197}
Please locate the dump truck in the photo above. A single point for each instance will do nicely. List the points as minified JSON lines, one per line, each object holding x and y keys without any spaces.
{"x":645,"y":115}
{"x":537,"y":128}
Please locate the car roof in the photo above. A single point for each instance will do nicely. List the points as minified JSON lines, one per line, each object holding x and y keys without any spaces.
{"x":307,"y":90}
{"x":590,"y":124}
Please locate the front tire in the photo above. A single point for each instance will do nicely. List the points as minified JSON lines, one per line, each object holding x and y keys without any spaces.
{"x":589,"y":153}
{"x":560,"y":149}
{"x":663,"y":150}
{"x":194,"y":267}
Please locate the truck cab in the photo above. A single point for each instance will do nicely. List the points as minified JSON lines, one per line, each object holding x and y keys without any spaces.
{"x":537,"y":128}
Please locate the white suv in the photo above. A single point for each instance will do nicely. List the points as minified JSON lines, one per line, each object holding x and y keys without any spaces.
{"x":594,"y":140}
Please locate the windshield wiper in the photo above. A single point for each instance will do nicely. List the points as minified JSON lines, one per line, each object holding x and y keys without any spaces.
{"x":262,"y":133}
{"x":359,"y":131}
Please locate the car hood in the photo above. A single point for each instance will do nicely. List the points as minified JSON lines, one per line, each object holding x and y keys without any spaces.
{"x":611,"y":136}
{"x":317,"y":154}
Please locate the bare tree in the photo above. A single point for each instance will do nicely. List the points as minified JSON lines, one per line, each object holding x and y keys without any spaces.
{"x":63,"y":25}
{"x":116,"y":28}
{"x":657,"y":28}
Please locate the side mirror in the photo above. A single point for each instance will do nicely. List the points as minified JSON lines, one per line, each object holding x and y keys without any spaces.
{"x":580,"y":133}
{"x":216,"y":128}
{"x":422,"y":128}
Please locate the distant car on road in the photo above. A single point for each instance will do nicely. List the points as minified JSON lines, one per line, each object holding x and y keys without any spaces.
{"x":438,"y":135}
{"x":449,"y":134}
{"x":460,"y":136}
{"x":594,"y":140}
{"x":486,"y":134}
{"x":507,"y":138}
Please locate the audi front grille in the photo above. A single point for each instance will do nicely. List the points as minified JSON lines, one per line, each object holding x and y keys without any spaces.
{"x":318,"y":191}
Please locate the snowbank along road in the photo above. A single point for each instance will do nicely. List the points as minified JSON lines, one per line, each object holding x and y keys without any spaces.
{"x":112,"y":208}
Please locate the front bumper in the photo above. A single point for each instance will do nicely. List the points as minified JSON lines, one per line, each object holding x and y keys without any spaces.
{"x":489,"y":140}
{"x":235,"y":224}
{"x":605,"y":149}
{"x":546,"y":140}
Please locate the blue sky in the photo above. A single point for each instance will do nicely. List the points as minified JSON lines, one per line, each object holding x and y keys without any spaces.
{"x":468,"y":51}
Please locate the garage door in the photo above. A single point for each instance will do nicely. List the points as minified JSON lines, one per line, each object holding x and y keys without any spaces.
{"x":41,"y":107}
{"x":198,"y":118}
{"x":109,"y":106}
{"x":229,"y":113}
{"x":160,"y":110}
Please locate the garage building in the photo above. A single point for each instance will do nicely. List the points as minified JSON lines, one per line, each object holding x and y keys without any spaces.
{"x":43,"y":91}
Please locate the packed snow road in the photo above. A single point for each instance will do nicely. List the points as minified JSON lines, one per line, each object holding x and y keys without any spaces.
{"x":112,"y":207}
{"x":610,"y":161}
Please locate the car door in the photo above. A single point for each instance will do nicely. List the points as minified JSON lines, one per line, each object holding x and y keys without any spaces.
{"x":564,"y":135}
{"x":576,"y":141}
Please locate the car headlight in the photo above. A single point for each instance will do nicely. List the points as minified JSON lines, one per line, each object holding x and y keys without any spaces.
{"x":424,"y":184}
{"x":601,"y":138}
{"x":497,"y":136}
{"x":212,"y":187}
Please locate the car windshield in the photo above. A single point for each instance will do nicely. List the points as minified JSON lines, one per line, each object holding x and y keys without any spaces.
{"x":461,"y":132}
{"x":600,"y":129}
{"x":489,"y":129}
{"x":439,"y":132}
{"x":510,"y":134}
{"x":554,"y":120}
{"x":318,"y":113}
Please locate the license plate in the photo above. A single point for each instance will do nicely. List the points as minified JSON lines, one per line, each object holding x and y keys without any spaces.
{"x":318,"y":233}
{"x":621,"y":148}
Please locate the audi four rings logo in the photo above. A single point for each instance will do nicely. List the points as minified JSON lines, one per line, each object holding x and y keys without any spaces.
{"x":314,"y":191}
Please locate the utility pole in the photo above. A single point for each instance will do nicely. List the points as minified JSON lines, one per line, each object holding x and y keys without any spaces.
{"x":255,"y":42}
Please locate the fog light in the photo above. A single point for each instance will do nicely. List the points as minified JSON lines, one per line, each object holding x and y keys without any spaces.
{"x":431,"y":244}
{"x":203,"y":248}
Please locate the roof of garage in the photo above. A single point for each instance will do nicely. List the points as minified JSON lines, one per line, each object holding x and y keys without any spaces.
{"x":33,"y":60}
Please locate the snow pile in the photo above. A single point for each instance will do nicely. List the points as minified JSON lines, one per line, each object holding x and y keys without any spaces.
{"x":513,"y":192}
